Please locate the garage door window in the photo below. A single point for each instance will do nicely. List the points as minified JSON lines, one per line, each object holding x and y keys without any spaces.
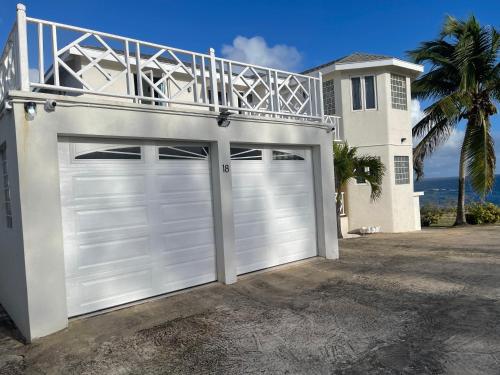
{"x":118,"y":153}
{"x":240,"y":153}
{"x":183,"y":153}
{"x":284,"y":155}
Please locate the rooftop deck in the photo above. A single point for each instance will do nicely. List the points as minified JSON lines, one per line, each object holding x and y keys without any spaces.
{"x":47,"y":56}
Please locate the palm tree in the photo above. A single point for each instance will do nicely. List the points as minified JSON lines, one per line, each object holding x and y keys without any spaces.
{"x":463,"y":83}
{"x":349,"y":165}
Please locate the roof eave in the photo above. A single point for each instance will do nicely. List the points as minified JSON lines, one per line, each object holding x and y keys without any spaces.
{"x":414,"y":68}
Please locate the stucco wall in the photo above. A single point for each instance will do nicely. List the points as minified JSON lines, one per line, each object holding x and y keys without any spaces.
{"x":85,"y":117}
{"x":13,"y":294}
{"x":384,"y":132}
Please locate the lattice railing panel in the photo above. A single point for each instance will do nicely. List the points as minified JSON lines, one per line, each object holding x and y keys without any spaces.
{"x":294,"y":95}
{"x":250,"y":85}
{"x":102,"y":66}
{"x":8,"y":69}
{"x":75,"y":60}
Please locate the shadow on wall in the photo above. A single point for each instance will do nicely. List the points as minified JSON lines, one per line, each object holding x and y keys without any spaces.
{"x":8,"y":329}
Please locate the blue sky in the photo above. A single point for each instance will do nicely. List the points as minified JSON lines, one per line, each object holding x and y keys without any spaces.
{"x":289,"y":34}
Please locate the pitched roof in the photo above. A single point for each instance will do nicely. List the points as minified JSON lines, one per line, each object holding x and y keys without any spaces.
{"x":352,"y":58}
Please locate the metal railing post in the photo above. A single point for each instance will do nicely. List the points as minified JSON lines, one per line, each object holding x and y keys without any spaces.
{"x":22,"y":49}
{"x":213,"y":81}
{"x":320,"y":96}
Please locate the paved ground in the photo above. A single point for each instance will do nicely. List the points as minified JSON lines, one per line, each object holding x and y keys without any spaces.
{"x":423,"y":303}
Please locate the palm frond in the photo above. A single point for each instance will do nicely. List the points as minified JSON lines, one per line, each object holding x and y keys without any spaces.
{"x":479,"y":154}
{"x":372,"y":170}
{"x":348,"y":165}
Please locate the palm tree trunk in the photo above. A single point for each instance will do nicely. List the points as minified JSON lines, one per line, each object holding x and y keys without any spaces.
{"x":339,"y":226}
{"x":460,"y":220}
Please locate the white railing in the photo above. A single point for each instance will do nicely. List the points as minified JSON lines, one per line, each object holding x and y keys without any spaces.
{"x":73,"y":60}
{"x":334,"y":123}
{"x":342,"y":207}
{"x":8,"y":69}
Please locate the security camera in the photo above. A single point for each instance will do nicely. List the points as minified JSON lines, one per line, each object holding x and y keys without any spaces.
{"x":330,"y":128}
{"x":50,"y":105}
{"x":223,"y":118}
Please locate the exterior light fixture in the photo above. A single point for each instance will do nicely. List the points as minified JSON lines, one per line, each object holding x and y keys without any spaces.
{"x":30,"y":109}
{"x":403,"y":140}
{"x":330,"y":129}
{"x":223,"y":118}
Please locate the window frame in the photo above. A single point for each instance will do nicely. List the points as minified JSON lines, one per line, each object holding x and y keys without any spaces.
{"x":73,"y":154}
{"x":237,"y":156}
{"x":375,"y":101}
{"x":329,"y":82}
{"x":405,"y":174}
{"x":405,"y":80}
{"x":360,"y":93}
{"x":296,"y":157}
{"x":159,"y":159}
{"x":363,"y":92}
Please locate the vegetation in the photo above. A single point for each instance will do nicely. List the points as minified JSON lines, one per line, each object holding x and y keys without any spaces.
{"x":476,"y":213}
{"x":349,"y":165}
{"x":483,"y":213}
{"x":463,"y":84}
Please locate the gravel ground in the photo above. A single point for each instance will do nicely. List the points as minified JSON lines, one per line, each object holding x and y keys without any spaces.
{"x":420,"y":303}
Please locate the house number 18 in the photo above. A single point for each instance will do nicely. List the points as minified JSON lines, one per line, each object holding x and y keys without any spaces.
{"x":225,"y":168}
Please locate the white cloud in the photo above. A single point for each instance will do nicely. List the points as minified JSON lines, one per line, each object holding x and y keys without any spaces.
{"x":256,"y":51}
{"x":416,"y":112}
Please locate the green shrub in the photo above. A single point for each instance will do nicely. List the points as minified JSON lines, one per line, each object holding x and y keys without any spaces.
{"x":430,"y":214}
{"x":483,"y":213}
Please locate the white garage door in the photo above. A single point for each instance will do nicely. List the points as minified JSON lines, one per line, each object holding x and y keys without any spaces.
{"x":274,"y":212}
{"x":137,"y":221}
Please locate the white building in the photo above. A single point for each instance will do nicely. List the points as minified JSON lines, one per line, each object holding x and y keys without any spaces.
{"x":124,"y":177}
{"x":371,"y":94}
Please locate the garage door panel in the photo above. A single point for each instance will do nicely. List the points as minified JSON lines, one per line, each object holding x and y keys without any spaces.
{"x":108,"y":186}
{"x":248,"y":180}
{"x":186,"y":255}
{"x":183,"y":275}
{"x":246,"y":205}
{"x":252,"y":230}
{"x":250,"y":217}
{"x":261,"y":241}
{"x":133,"y":229}
{"x":118,"y":234}
{"x":185,"y":196}
{"x":123,"y":217}
{"x":180,"y":183}
{"x":250,"y":192}
{"x":274,"y":210}
{"x":187,"y":239}
{"x":113,"y":252}
{"x":98,"y":293}
{"x":185,"y":226}
{"x":178,"y":212}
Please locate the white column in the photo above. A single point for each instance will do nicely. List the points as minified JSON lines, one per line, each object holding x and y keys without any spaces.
{"x":326,"y":215}
{"x":223,"y":210}
{"x":213,"y":81}
{"x":22,"y":49}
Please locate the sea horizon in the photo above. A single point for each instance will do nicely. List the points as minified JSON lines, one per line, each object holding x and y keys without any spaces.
{"x":443,"y":191}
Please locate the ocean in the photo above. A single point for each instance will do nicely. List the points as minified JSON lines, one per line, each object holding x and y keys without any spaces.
{"x":444,"y":190}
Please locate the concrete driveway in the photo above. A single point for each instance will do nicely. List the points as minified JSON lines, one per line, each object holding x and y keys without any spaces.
{"x":421,"y":303}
